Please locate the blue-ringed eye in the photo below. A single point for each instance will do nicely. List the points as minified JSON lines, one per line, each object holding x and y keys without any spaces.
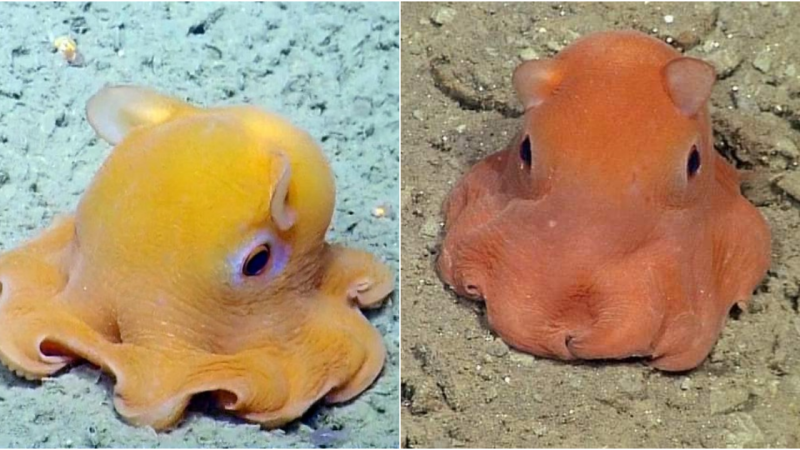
{"x":256,"y":261}
{"x":525,"y":151}
{"x":693,"y":164}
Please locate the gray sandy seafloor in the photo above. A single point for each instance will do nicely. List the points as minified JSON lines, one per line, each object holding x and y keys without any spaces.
{"x":331,"y":68}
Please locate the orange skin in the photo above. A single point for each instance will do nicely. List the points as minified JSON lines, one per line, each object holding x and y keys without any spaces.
{"x":607,"y":240}
{"x":147,"y":279}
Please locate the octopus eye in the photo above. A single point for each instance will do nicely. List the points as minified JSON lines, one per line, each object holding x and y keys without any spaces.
{"x":256,"y":261}
{"x":525,"y":151}
{"x":693,"y":164}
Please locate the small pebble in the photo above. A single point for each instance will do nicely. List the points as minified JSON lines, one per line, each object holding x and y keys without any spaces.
{"x":741,"y":431}
{"x":327,"y":437}
{"x":669,"y":18}
{"x":498,"y":348}
{"x":631,"y":384}
{"x":687,"y":39}
{"x":383,"y":210}
{"x":443,"y":16}
{"x":430,"y":228}
{"x":554,"y":46}
{"x":523,"y":359}
{"x":763,"y":61}
{"x":782,"y":144}
{"x":527,"y":54}
{"x":790,"y":184}
{"x":725,"y":60}
{"x":728,"y":399}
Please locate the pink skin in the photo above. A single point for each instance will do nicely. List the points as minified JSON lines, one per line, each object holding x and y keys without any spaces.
{"x":599,"y":237}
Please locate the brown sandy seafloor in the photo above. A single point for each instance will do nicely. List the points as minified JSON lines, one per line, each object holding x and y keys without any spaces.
{"x":461,"y":386}
{"x":332,"y":68}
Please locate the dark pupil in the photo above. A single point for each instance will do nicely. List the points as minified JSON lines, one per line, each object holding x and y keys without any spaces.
{"x":525,"y":150}
{"x":693,"y":165}
{"x":256,"y":261}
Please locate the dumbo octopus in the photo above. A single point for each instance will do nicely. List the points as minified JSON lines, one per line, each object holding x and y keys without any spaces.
{"x":609,"y":227}
{"x":196,"y":262}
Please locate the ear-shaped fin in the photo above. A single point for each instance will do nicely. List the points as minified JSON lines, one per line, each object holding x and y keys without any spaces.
{"x":535,"y":80}
{"x":688,"y":82}
{"x":116,"y":110}
{"x":282,"y":214}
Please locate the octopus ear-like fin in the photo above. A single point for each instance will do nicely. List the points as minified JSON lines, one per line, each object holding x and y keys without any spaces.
{"x":535,"y":80}
{"x":688,"y":82}
{"x":116,"y":110}
{"x":282,"y":214}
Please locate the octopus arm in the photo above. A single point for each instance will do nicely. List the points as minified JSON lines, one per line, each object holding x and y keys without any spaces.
{"x":350,"y":349}
{"x":353,"y":279}
{"x":154,"y":386}
{"x":356,"y":276}
{"x":36,"y":328}
{"x":741,"y":238}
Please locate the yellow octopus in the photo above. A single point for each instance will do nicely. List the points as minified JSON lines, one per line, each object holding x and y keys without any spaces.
{"x":196,"y":262}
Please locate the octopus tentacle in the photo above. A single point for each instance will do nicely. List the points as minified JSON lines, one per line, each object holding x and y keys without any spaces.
{"x":336,"y":354}
{"x":353,"y":277}
{"x":739,"y":238}
{"x":369,"y":345}
{"x":687,"y":341}
{"x":31,"y":278}
{"x":45,"y":340}
{"x":154,"y":386}
{"x":619,"y":326}
{"x":356,"y":276}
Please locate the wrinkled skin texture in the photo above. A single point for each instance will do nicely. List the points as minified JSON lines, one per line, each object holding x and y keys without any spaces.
{"x":596,"y":234}
{"x":147,"y":279}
